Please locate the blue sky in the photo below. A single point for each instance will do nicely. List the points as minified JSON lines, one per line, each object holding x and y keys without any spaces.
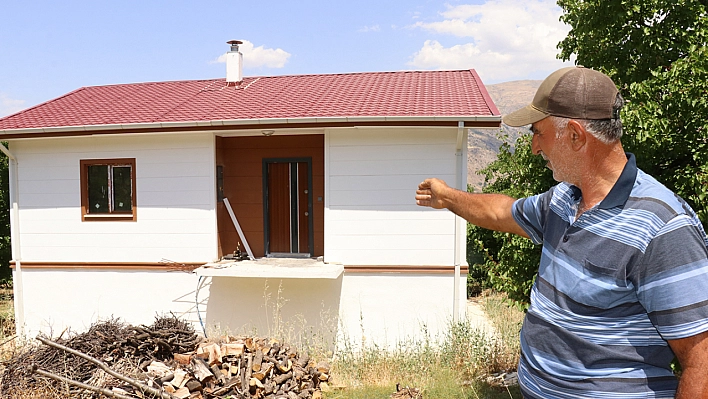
{"x":49,"y":48}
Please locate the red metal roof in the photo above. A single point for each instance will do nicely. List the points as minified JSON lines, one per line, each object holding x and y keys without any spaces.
{"x":374,"y":94}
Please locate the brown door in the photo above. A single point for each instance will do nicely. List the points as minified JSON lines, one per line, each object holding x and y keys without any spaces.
{"x":288,"y":206}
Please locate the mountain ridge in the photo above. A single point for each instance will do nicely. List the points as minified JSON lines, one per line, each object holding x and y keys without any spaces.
{"x":483,"y":144}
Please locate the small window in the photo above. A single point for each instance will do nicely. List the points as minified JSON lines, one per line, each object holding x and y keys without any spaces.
{"x":108,"y":189}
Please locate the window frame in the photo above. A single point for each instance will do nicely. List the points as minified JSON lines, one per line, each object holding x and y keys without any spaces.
{"x":112,"y":215}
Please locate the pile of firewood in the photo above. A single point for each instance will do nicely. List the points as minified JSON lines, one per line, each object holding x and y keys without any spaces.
{"x":246,"y":368}
{"x":166,"y":360}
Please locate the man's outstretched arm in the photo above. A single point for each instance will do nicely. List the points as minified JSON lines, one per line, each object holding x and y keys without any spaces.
{"x":692,"y":353}
{"x":491,"y":211}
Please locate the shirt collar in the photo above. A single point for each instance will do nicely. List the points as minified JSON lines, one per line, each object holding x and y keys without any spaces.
{"x":619,"y":194}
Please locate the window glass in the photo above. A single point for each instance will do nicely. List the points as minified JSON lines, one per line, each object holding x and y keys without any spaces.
{"x":122,"y":189}
{"x":98,"y":189}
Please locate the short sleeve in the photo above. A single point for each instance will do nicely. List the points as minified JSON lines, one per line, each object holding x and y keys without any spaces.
{"x":672,"y":279}
{"x":530,"y":214}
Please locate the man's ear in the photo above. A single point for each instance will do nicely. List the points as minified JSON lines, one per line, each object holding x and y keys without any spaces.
{"x":578,"y":135}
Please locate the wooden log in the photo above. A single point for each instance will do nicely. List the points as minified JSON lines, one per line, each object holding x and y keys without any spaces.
{"x":200,"y":369}
{"x":303,"y":360}
{"x":194,"y":385}
{"x":232,"y":349}
{"x":216,"y":371}
{"x":323,"y":367}
{"x":282,"y":378}
{"x":257,"y":360}
{"x":285,"y":365}
{"x":182,"y":393}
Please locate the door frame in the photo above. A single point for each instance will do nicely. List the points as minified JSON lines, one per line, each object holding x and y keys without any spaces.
{"x":310,"y":218}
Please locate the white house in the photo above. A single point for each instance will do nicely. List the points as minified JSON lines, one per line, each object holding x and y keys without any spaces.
{"x":118,"y":196}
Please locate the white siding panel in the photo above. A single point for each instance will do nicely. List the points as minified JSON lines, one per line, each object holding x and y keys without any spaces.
{"x":386,"y":242}
{"x":176,"y":199}
{"x":381,"y":182}
{"x":392,"y":167}
{"x":401,"y":227}
{"x":371,"y":216}
{"x":29,"y":173}
{"x":175,"y":185}
{"x":395,"y":137}
{"x":394,"y":213}
{"x":53,"y":187}
{"x":58,"y":200}
{"x":429,"y":152}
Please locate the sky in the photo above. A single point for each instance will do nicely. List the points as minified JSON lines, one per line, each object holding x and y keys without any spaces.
{"x":49,"y":48}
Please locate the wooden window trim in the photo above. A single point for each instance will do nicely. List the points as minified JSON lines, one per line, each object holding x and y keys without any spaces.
{"x":112,"y":217}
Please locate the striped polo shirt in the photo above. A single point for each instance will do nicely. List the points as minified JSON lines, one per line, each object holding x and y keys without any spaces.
{"x":612,"y":287}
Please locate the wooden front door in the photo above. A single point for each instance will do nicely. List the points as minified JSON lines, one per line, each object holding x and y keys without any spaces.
{"x":287,"y":202}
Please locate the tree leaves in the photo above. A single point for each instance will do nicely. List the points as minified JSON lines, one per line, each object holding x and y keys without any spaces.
{"x":655,"y":51}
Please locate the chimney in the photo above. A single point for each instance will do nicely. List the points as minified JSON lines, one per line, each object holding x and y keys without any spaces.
{"x":234,"y":63}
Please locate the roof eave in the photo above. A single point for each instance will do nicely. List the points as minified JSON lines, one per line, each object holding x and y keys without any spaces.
{"x":470,"y":121}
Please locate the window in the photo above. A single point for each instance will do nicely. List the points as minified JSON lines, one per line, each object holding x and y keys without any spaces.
{"x":108,"y":189}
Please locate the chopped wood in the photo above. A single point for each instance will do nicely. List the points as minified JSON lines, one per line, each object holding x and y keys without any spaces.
{"x":257,"y":359}
{"x":232,"y":349}
{"x":200,"y":369}
{"x":182,"y":393}
{"x":169,"y":359}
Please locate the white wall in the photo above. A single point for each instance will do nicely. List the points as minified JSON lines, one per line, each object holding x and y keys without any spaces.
{"x":370,"y":219}
{"x":55,"y":299}
{"x":370,"y":180}
{"x":175,"y":190}
{"x":387,"y":309}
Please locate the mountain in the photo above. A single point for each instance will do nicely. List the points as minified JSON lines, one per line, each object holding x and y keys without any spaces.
{"x":483,"y":144}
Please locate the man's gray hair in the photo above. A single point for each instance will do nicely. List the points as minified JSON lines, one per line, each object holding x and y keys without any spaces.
{"x":606,"y":130}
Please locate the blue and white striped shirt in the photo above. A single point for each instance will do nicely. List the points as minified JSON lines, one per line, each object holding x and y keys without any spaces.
{"x":612,"y":287}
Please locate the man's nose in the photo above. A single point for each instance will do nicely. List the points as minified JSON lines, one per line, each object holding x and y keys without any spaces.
{"x":535,"y":148}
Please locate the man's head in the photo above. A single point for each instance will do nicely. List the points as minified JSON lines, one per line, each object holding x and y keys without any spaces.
{"x":582,"y":94}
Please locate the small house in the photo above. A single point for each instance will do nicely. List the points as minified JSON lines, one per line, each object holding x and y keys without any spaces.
{"x":262,"y":203}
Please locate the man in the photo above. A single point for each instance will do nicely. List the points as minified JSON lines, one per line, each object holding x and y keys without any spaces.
{"x":622,"y":286}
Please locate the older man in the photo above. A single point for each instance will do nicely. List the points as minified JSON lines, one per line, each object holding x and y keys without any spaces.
{"x":622,"y":286}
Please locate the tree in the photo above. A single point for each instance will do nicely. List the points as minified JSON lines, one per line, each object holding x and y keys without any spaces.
{"x":628,"y":39}
{"x":509,"y":262}
{"x":655,"y":51}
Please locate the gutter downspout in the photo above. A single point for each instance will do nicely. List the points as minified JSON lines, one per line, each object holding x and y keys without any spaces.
{"x":459,"y":177}
{"x":15,"y":241}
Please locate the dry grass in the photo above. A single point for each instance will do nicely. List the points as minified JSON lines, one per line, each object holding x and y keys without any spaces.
{"x":454,"y":365}
{"x":506,"y":319}
{"x":7,"y":314}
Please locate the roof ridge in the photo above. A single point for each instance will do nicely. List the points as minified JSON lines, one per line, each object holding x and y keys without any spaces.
{"x":276,"y":76}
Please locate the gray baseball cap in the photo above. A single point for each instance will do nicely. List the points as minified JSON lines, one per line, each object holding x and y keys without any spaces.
{"x":574,"y":92}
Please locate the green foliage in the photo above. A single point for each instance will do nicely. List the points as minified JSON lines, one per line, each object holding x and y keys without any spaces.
{"x":5,"y":249}
{"x":628,"y":39}
{"x":508,"y":263}
{"x":655,"y":50}
{"x":668,"y":120}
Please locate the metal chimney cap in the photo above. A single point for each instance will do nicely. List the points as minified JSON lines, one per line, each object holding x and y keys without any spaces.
{"x":234,"y":44}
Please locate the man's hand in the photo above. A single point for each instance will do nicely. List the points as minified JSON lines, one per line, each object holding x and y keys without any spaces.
{"x":431,"y":193}
{"x":491,"y":211}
